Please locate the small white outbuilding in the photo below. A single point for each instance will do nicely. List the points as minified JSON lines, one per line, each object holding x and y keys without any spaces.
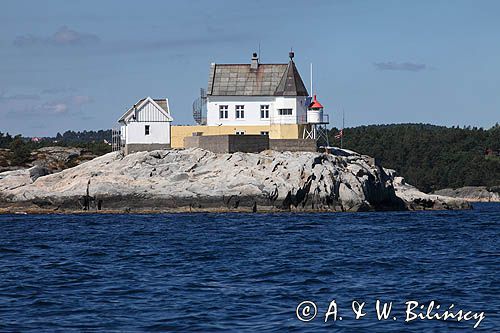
{"x":146,"y":126}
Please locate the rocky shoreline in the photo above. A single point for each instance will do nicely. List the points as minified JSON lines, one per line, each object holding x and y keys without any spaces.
{"x":195,"y":180}
{"x":473,"y":193}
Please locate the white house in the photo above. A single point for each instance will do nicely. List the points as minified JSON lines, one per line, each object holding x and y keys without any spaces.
{"x":146,"y":126}
{"x":256,"y":94}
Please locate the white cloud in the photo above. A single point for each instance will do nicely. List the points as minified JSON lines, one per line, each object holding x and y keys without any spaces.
{"x":64,"y":36}
{"x":18,"y":97}
{"x":31,"y":105}
{"x":80,"y":100}
{"x":55,"y":107}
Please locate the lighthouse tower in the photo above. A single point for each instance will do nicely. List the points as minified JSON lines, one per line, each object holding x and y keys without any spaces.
{"x":316,"y":123}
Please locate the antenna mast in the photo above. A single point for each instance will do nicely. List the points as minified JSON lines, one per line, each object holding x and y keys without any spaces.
{"x":312,"y":92}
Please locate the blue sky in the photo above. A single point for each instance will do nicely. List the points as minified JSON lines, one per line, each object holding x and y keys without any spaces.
{"x":80,"y":65}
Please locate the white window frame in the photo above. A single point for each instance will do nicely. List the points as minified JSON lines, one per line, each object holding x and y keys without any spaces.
{"x":239,"y":111}
{"x":223,"y":111}
{"x":264,"y":111}
{"x":285,"y":112}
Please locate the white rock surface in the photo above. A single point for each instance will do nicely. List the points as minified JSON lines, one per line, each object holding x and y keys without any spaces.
{"x":195,"y":179}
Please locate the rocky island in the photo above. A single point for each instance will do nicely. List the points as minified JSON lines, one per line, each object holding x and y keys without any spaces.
{"x":199,"y":180}
{"x":473,"y":193}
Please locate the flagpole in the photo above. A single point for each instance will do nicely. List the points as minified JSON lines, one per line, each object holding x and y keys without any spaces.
{"x":342,"y":136}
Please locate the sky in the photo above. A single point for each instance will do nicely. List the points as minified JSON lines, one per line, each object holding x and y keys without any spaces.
{"x":68,"y":65}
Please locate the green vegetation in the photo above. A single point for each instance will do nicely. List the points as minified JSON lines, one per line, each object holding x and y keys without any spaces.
{"x":21,"y":148}
{"x":20,"y":151}
{"x":431,"y":157}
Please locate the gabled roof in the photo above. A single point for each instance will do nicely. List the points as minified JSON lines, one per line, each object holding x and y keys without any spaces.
{"x":160,"y":104}
{"x":266,"y":80}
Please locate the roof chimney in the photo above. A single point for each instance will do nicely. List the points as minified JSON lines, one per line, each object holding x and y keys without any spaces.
{"x":255,"y":61}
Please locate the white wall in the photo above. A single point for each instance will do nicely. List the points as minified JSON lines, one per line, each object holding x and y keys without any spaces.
{"x":148,"y":114}
{"x":252,"y":110}
{"x":159,"y":132}
{"x":297,"y":104}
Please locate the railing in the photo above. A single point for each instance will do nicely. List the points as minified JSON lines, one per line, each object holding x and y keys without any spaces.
{"x":116,"y":140}
{"x":324,"y":119}
{"x":302,"y":119}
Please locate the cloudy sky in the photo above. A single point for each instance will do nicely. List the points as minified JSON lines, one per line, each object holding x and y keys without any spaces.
{"x":80,"y":65}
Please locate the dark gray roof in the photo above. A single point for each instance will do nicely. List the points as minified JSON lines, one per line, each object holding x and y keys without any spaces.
{"x":291,"y":83}
{"x":161,"y":102}
{"x":241,"y":80}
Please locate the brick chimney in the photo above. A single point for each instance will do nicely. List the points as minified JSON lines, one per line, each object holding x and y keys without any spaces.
{"x":255,"y":62}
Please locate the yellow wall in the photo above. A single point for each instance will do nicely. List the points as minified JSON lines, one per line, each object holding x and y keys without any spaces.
{"x":276,"y":131}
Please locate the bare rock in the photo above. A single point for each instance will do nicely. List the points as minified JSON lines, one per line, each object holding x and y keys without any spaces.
{"x":198,"y":180}
{"x":473,"y":193}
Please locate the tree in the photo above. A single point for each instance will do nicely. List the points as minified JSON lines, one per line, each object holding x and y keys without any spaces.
{"x":20,"y":153}
{"x":430,"y":157}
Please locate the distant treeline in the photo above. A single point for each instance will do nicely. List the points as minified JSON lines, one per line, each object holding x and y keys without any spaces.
{"x":428,"y":156}
{"x":21,"y":147}
{"x":85,"y":136}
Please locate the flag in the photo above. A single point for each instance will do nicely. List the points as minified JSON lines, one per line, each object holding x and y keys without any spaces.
{"x":340,"y":135}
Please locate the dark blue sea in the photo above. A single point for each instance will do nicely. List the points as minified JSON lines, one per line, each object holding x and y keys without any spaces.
{"x":247,"y":272}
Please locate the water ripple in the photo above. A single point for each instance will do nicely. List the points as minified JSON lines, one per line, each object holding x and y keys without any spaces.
{"x":243,"y":272}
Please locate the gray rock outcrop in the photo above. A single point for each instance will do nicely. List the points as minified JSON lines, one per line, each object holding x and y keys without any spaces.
{"x":473,"y":193}
{"x":54,"y":159}
{"x":198,"y":180}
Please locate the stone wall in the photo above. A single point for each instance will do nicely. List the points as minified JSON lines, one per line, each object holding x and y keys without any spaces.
{"x":229,"y":143}
{"x":214,"y":143}
{"x":191,"y":142}
{"x":292,"y":145}
{"x":247,"y":143}
{"x":136,"y":147}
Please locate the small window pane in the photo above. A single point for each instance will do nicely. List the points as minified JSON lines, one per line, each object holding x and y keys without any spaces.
{"x":264,"y":111}
{"x":240,"y":111}
{"x":223,"y":111}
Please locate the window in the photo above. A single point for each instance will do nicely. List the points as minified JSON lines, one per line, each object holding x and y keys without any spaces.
{"x":240,"y":111}
{"x":240,"y":133}
{"x":264,"y":112}
{"x":146,"y":130}
{"x":223,"y":112}
{"x":264,"y":133}
{"x":285,"y":112}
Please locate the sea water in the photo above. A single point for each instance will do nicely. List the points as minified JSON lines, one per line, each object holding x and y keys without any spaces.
{"x":249,"y":272}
